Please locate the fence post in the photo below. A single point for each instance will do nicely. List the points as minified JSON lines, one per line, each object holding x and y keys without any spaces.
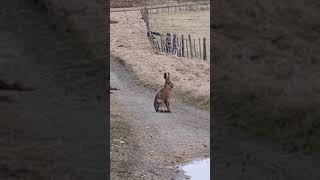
{"x":204,"y":49}
{"x":174,"y":45}
{"x":199,"y":48}
{"x":158,"y":46}
{"x":168,"y":42}
{"x":194,"y":47}
{"x":182,"y":45}
{"x":161,"y":43}
{"x":187,"y":48}
{"x":164,"y":45}
{"x":151,"y":42}
{"x":146,"y":20}
{"x":190,"y":44}
{"x":177,"y":45}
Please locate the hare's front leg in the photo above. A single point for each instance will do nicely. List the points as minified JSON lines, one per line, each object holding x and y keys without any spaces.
{"x":168,"y":106}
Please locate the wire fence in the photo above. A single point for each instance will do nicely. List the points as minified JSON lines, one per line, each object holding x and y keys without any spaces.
{"x":181,"y":46}
{"x":180,"y":7}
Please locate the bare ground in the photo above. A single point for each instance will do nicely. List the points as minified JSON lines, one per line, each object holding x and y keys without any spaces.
{"x":150,"y":145}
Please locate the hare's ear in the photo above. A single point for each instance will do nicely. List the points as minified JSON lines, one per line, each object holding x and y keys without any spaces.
{"x":168,"y":75}
{"x":165,"y":75}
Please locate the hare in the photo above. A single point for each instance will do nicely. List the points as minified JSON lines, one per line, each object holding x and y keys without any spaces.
{"x":163,"y":97}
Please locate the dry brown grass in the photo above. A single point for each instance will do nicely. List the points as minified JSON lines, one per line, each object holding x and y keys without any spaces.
{"x":129,"y":43}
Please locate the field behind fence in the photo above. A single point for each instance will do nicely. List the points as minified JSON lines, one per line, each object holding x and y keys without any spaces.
{"x":190,"y":31}
{"x":192,"y":6}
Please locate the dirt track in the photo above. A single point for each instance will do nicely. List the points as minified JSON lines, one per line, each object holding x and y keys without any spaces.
{"x":150,"y":145}
{"x":53,"y":127}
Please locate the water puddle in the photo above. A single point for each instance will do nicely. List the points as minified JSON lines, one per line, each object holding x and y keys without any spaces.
{"x":198,"y":170}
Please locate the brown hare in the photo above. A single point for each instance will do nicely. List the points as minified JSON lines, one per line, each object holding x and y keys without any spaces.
{"x":163,"y":97}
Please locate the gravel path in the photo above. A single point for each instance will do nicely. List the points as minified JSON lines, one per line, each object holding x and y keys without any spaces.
{"x":156,"y":143}
{"x":152,"y":145}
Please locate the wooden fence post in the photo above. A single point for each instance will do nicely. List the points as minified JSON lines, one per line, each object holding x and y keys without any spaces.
{"x":174,"y":45}
{"x":158,"y":46}
{"x":187,"y":48}
{"x":151,"y":42}
{"x":199,"y":48}
{"x":182,"y":45}
{"x":177,"y":46}
{"x":161,"y":43}
{"x":164,"y":46}
{"x":168,"y":43}
{"x":194,"y":47}
{"x":204,"y":49}
{"x":190,"y":44}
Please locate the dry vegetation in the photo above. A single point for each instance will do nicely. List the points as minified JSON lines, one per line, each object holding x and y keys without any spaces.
{"x":267,"y":69}
{"x":135,"y":3}
{"x":129,"y":44}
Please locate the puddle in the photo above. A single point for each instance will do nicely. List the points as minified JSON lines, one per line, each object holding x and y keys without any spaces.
{"x":198,"y":170}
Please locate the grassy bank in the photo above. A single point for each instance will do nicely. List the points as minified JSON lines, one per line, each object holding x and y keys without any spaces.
{"x":201,"y":102}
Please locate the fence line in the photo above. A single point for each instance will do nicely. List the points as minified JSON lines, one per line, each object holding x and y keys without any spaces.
{"x":179,"y":46}
{"x":181,"y":7}
{"x":172,"y":44}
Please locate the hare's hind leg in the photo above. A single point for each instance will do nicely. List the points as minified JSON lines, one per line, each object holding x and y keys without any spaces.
{"x":163,"y":107}
{"x":155,"y":105}
{"x":159,"y":105}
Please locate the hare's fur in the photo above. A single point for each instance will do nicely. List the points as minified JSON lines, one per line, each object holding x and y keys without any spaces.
{"x":163,"y":97}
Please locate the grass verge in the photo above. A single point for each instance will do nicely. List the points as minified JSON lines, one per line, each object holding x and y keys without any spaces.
{"x":201,"y":102}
